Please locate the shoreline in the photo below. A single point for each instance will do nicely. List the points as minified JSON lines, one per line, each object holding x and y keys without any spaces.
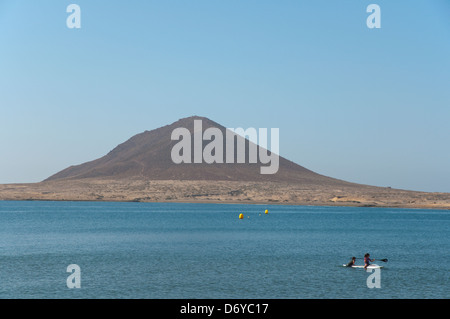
{"x":223,"y":192}
{"x":399,"y":206}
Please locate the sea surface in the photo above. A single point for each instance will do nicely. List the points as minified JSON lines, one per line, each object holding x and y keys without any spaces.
{"x":184,"y":251}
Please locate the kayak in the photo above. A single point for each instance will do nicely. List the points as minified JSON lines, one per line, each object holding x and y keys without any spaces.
{"x":372,"y":266}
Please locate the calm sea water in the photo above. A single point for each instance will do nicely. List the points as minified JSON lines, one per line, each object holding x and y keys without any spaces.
{"x":161,"y":251}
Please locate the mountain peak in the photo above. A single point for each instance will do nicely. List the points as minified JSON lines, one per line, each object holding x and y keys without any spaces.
{"x":148,"y":156}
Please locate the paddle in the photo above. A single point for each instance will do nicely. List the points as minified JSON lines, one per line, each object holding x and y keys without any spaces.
{"x":383,"y":260}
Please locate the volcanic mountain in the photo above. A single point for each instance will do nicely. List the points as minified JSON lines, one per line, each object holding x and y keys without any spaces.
{"x":142,"y":169}
{"x":148,"y":156}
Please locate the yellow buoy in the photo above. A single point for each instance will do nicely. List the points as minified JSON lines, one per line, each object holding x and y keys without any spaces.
{"x":241,"y":216}
{"x":266,"y":211}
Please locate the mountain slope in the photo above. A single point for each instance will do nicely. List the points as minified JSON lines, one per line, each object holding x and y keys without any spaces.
{"x":148,"y":156}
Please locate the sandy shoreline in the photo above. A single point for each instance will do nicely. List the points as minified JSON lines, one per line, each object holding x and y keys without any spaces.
{"x":225,"y":192}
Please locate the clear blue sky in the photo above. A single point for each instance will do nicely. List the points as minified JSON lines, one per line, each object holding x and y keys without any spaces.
{"x":365,"y":105}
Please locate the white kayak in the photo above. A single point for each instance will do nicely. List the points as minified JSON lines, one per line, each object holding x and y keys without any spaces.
{"x":372,"y":266}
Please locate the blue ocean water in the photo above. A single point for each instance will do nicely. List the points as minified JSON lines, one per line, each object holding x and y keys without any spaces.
{"x":167,"y":251}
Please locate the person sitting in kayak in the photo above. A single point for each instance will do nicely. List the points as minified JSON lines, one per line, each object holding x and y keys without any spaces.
{"x":367,"y":260}
{"x":352,"y":262}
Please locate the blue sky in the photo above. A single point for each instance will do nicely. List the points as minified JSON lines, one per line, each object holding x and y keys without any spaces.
{"x":365,"y":105}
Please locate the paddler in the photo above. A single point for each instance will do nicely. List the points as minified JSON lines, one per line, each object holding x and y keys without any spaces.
{"x":367,"y":260}
{"x":352,"y":262}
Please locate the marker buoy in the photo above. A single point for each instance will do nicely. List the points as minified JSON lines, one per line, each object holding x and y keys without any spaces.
{"x":266,"y":211}
{"x":241,"y":216}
